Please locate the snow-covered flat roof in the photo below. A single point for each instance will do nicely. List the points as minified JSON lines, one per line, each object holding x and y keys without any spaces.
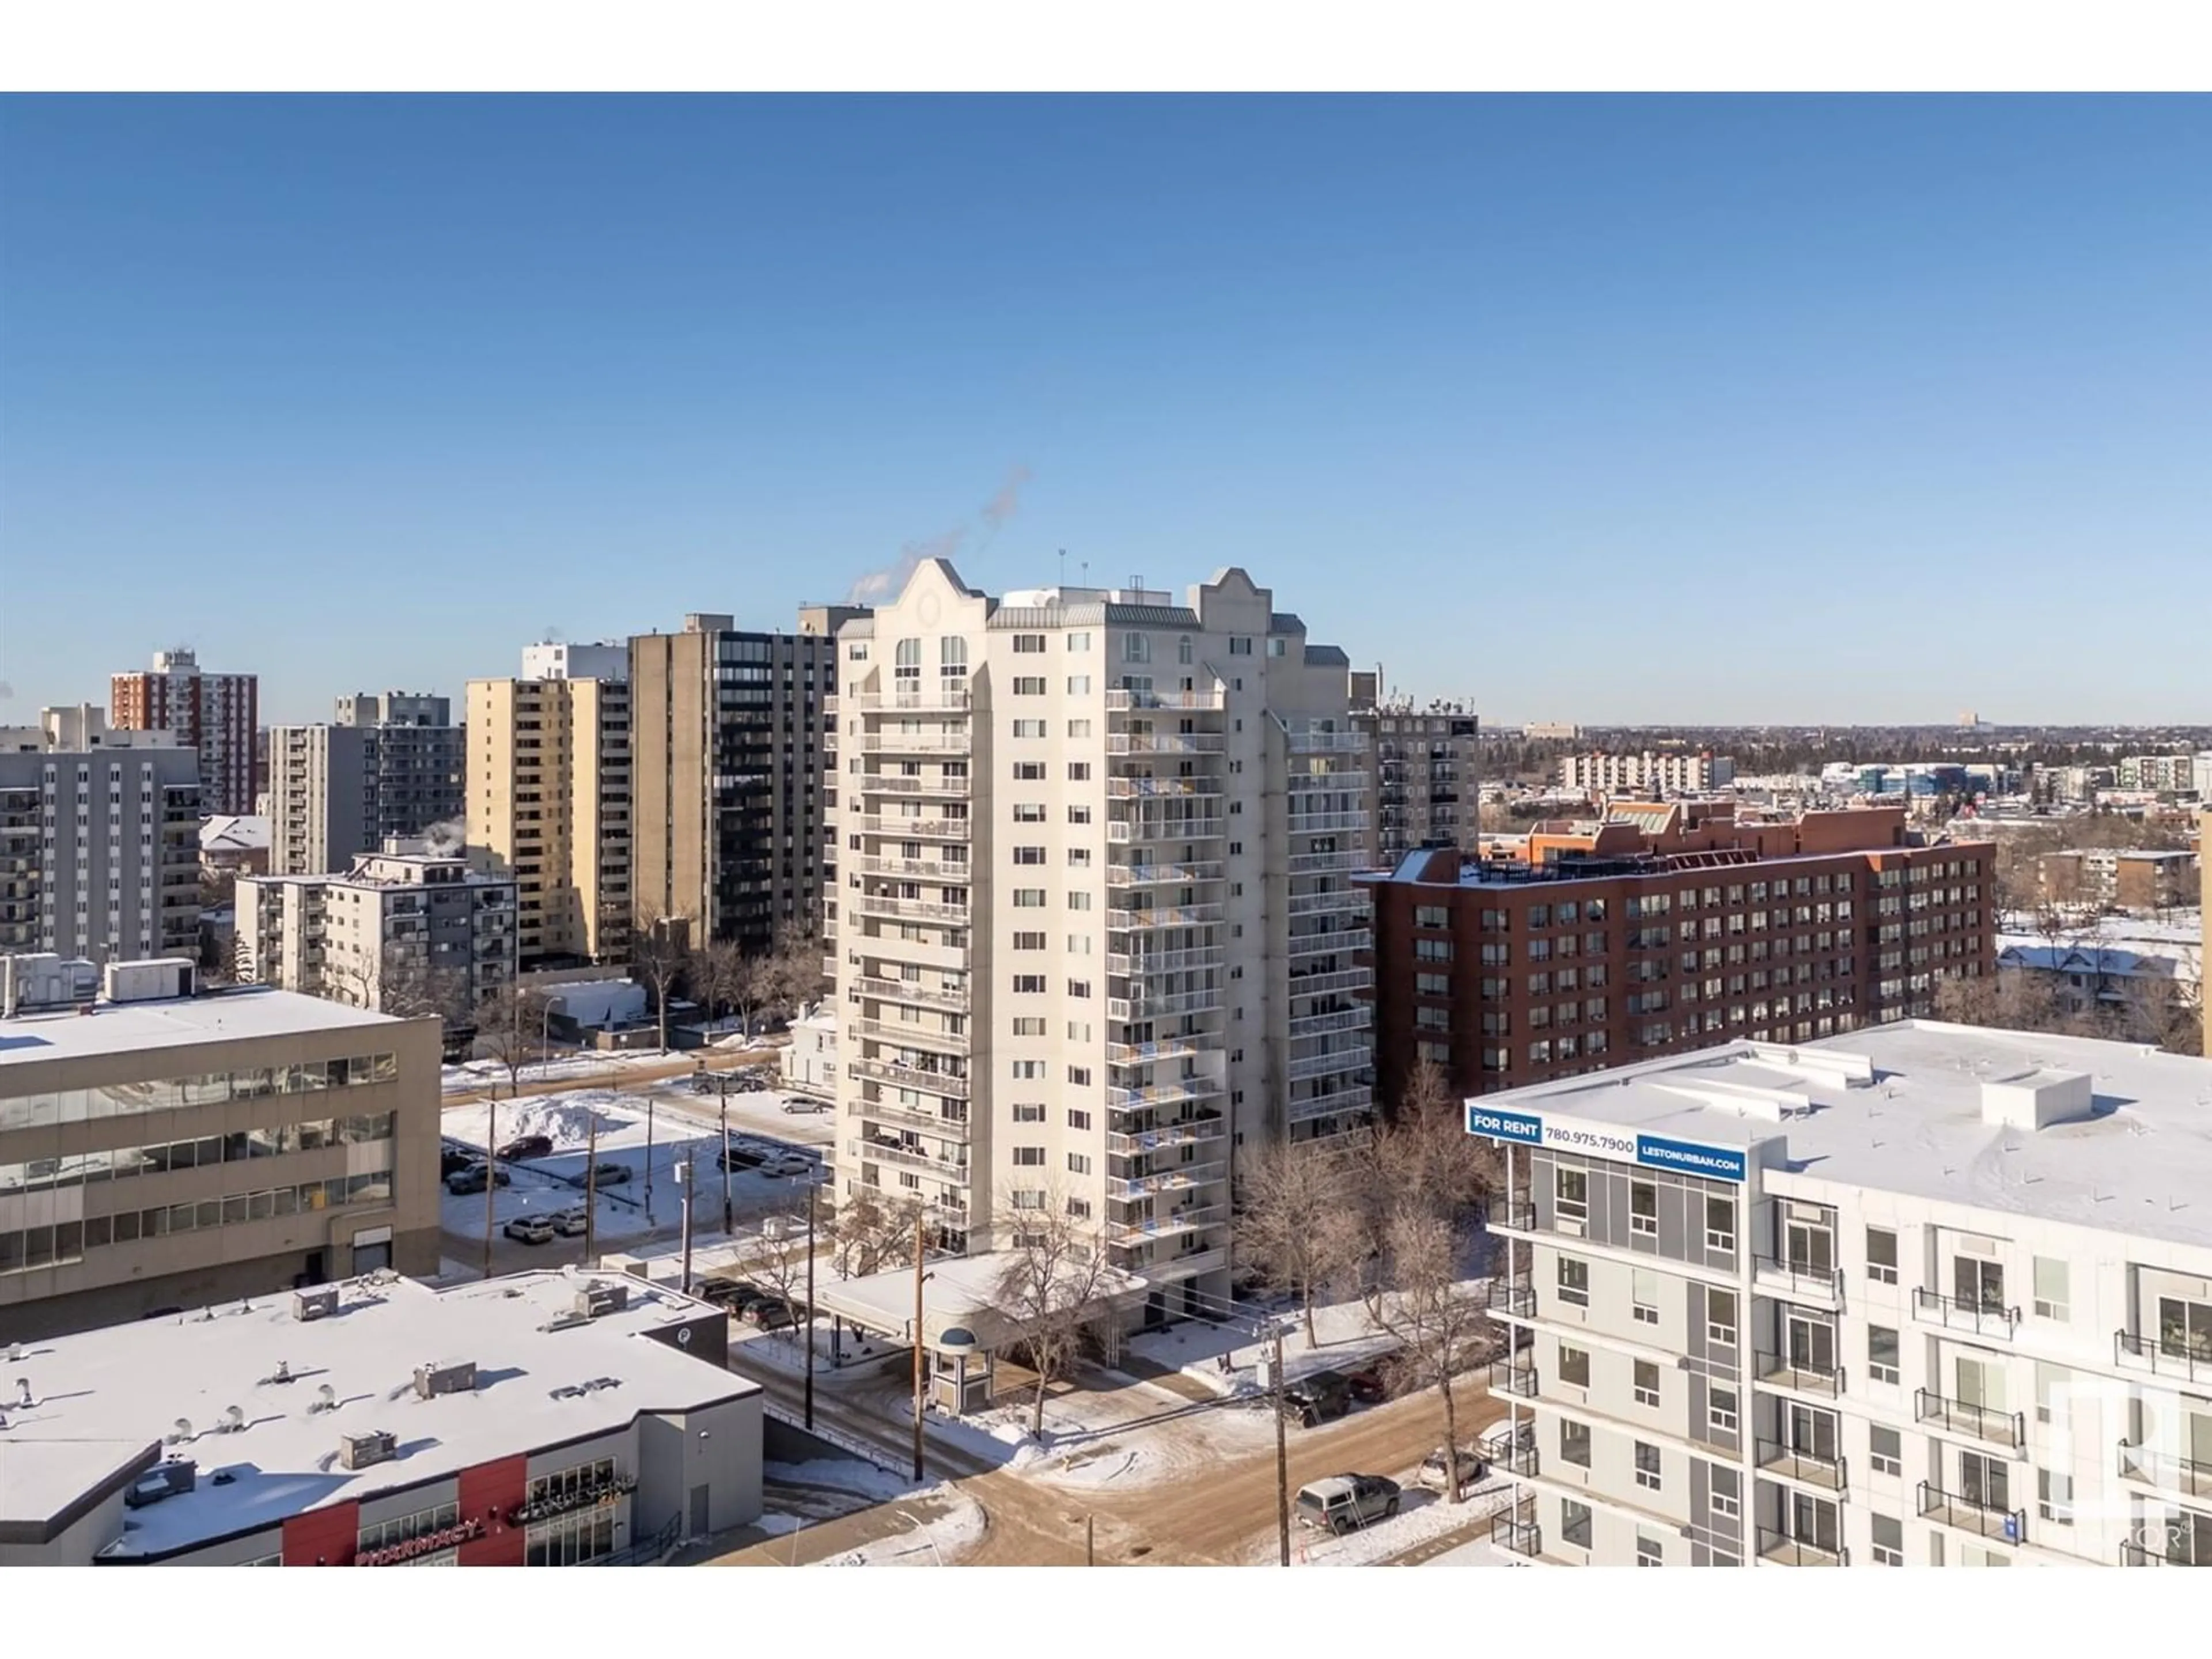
{"x":2140,"y":1163}
{"x":219,"y":1017}
{"x":102,"y":1397}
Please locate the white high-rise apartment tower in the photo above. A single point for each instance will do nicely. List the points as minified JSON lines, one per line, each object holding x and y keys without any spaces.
{"x":1093,"y":935}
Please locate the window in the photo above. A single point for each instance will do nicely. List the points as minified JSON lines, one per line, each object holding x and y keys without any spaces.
{"x":1882,"y":1256}
{"x":1886,"y":1448}
{"x":1720,"y":1225}
{"x":1647,"y":1383}
{"x":1077,"y":1119}
{"x":2185,"y":1328}
{"x":1721,"y":1410}
{"x":2050,"y":1297}
{"x":1028,"y":728}
{"x":1079,"y":1164}
{"x":1029,"y":899}
{"x":1078,"y":685}
{"x":1575,"y":1523}
{"x":1028,"y":645}
{"x":1574,"y":1281}
{"x":1028,"y":685}
{"x":2054,"y":1497}
{"x":1644,"y":1209}
{"x":1881,"y":1353}
{"x":1649,"y":1552}
{"x":1647,"y":1467}
{"x":1030,"y":1025}
{"x":1027,"y":1069}
{"x":1029,"y":941}
{"x":1978,"y":1283}
{"x":1574,"y":1365}
{"x":1029,"y":812}
{"x":1574,"y":1442}
{"x":1727,"y":1496}
{"x":1078,"y":901}
{"x":1643,"y":1295}
{"x":1720,"y":1318}
{"x":1029,"y":771}
{"x":1888,"y":1540}
{"x":1028,"y":1158}
{"x":1573,"y":1196}
{"x":1029,"y":855}
{"x":1027,"y":1112}
{"x":1078,"y":771}
{"x":1078,"y":642}
{"x":1029,"y":984}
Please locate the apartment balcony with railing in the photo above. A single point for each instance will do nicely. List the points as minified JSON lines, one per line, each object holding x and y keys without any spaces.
{"x":1324,"y":1021}
{"x":1348,"y":1058}
{"x":954,"y":786}
{"x":1970,"y":1421}
{"x":1175,"y":1224}
{"x":908,"y":909}
{"x":2166,"y":1472}
{"x":1123,"y":919}
{"x":945,"y":697}
{"x":1316,"y":864}
{"x":1323,"y":943}
{"x":920,"y":869}
{"x":1178,"y":1178}
{"x":1783,"y":1550}
{"x":909,"y":1117}
{"x":1174,"y":1092}
{"x":1158,"y":875}
{"x":909,"y":1076}
{"x":1332,"y":982}
{"x":1800,"y":1279}
{"x":891,"y":740}
{"x":907,"y":1033}
{"x":1984,"y":1319}
{"x":1165,"y":743}
{"x":1800,"y":1370}
{"x":1799,"y":1463}
{"x":1139,"y":964}
{"x":909,"y":1156}
{"x":1352,"y":1097}
{"x":1121,"y":699}
{"x":1327,"y":901}
{"x":1160,"y":1049}
{"x":1981,"y":1514}
{"x":2180,"y":1356}
{"x":1300,"y":784}
{"x":1315,"y":740}
{"x":1514,"y":1377}
{"x":1143,"y":1009}
{"x":914,"y":829}
{"x":1516,"y":1536}
{"x":1145,"y":829}
{"x":1327,"y":823}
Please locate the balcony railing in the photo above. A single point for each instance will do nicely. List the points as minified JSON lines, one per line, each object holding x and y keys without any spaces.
{"x":888,"y":783}
{"x":1126,"y":964}
{"x":1148,"y":829}
{"x":1313,"y":741}
{"x":1333,"y":982}
{"x":1314,"y":864}
{"x":1146,"y":1053}
{"x":909,"y":909}
{"x":1353,"y":1097}
{"x":1794,"y":1463}
{"x":1983,"y":1318}
{"x":1351,"y":1059}
{"x":1123,"y":787}
{"x":905,"y":990}
{"x":909,"y":1076}
{"x":1973,"y":1515}
{"x":1782,"y":1370}
{"x":1165,"y":743}
{"x":2161,"y":1355}
{"x":1521,"y":1460}
{"x":1520,"y":1537}
{"x":904,"y":1033}
{"x":1315,"y":945}
{"x":1326,"y":823}
{"x":2133,"y":1554}
{"x":1162,"y":1094}
{"x":1182,"y":1176}
{"x":946,"y":698}
{"x":1119,"y":697}
{"x":1130,"y":1009}
{"x":892,"y":1151}
{"x":1320,"y":1025}
{"x":876,"y":824}
{"x":1799,"y":1279}
{"x":1196,"y":1218}
{"x":1782,"y":1549}
{"x":2165,"y":1470}
{"x":910,"y":1117}
{"x":1155,"y":875}
{"x":922,"y":869}
{"x":1165,"y":1139}
{"x":1513,"y":1378}
{"x":1979,"y":1422}
{"x":1515,"y":1296}
{"x":1123,"y":919}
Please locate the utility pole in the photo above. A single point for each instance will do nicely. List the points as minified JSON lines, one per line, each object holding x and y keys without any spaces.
{"x":491,"y":1171}
{"x":812,"y":1188}
{"x":919,"y":1218}
{"x":686,"y":1176}
{"x":729,"y":1219}
{"x":592,"y":1187}
{"x":1090,"y":1541}
{"x":1282,"y":1456}
{"x":648,"y":1157}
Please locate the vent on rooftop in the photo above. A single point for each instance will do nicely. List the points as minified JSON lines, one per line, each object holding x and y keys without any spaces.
{"x":445,"y":1376}
{"x":360,"y":1451}
{"x":314,"y":1304}
{"x":165,"y":1480}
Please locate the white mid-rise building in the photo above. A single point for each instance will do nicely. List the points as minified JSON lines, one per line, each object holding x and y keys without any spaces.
{"x":1093,"y":935}
{"x":1925,"y":1294}
{"x":402,"y":932}
{"x":1671,"y":773}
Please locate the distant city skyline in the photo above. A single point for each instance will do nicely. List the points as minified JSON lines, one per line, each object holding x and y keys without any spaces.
{"x":1611,"y":410}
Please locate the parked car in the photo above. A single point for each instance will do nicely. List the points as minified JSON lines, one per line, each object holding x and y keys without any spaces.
{"x":1344,"y":1503}
{"x":530,"y":1228}
{"x":1369,"y":1384}
{"x":451,"y":1160}
{"x":524,"y":1146}
{"x":702,"y":1082}
{"x":785,"y":1164}
{"x":571,"y":1223}
{"x":1316,"y":1397}
{"x":724,"y":1292}
{"x":1434,"y":1477}
{"x":742,"y":1155}
{"x":609,"y":1174}
{"x":770,"y":1313}
{"x":1503,"y":1441}
{"x":800,"y":1104}
{"x":475,"y":1179}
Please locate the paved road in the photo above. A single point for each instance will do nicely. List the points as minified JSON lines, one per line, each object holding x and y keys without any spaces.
{"x":1218,"y":1521}
{"x":623,"y":1075}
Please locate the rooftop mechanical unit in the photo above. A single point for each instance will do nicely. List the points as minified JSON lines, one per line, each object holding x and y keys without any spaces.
{"x":314,"y":1304}
{"x":595,"y":1299}
{"x":164,"y":1480}
{"x":445,"y":1376}
{"x":359,"y":1451}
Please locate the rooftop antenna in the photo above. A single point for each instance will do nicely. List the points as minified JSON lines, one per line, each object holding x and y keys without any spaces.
{"x":1063,"y":567}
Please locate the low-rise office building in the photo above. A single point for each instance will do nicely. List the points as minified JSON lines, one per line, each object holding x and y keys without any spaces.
{"x":161,"y":1151}
{"x":1925,"y":1295}
{"x":546,"y":1420}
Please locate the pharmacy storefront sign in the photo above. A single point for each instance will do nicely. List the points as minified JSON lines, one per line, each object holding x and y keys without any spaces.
{"x":1609,"y":1141}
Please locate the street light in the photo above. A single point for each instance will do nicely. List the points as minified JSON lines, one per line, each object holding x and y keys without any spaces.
{"x":729,"y":1224}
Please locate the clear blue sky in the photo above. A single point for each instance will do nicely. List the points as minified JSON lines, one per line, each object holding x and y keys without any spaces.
{"x":1622,"y":409}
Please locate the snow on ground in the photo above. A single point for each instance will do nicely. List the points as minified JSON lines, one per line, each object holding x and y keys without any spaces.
{"x":475,"y":1074}
{"x":782,"y":1349}
{"x":674,"y":1132}
{"x":946,"y":1522}
{"x":845,"y":1474}
{"x":1425,"y":1515}
{"x":1347,"y":1340}
{"x":1479,"y":1554}
{"x":536,"y":1194}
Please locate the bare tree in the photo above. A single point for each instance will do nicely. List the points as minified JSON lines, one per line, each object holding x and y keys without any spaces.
{"x":780,"y":1265}
{"x":658,"y":951}
{"x":796,"y":975}
{"x":1295,"y":1230}
{"x":509,"y":1022}
{"x":1053,"y":1286}
{"x":1439,"y":1320}
{"x":716,"y":975}
{"x":2156,"y":1009}
{"x":869,"y":1232}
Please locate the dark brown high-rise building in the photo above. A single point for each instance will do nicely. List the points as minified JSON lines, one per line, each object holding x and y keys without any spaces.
{"x":1666,"y":927}
{"x":728,"y":770}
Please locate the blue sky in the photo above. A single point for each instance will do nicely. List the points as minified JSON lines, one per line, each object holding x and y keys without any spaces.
{"x":1632,"y":409}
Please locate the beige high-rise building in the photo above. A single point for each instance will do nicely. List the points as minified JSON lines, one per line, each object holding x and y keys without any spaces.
{"x":727,"y":832}
{"x":549,"y":801}
{"x":1093,"y":933}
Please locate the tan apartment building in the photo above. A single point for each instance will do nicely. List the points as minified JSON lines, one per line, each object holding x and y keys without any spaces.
{"x":166,"y":1152}
{"x":1428,"y":766}
{"x":1094,"y":932}
{"x":548,"y":800}
{"x":1652,"y":773}
{"x":1665,"y":927}
{"x":726,"y":763}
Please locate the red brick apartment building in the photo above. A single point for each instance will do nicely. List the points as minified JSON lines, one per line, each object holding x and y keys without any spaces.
{"x":1662,"y":927}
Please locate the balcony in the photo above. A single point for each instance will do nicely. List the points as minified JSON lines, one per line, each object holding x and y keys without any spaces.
{"x":2165,"y":1471}
{"x":1998,"y":1428}
{"x":1166,"y":1137}
{"x":903,"y":1032}
{"x":913,"y":991}
{"x":1165,"y":743}
{"x":1154,"y":875}
{"x":1326,"y":823}
{"x":1514,"y":1377}
{"x":1162,"y":1094}
{"x":1973,"y":1515}
{"x":1983,"y":1319}
{"x":1122,"y":830}
{"x":1182,"y":1177}
{"x":1316,"y":864}
{"x":1783,"y":1551}
{"x":1316,"y":944}
{"x":1133,"y":964}
{"x":1132,"y":1010}
{"x":918,"y":828}
{"x":1794,"y":1463}
{"x":1305,"y":1066}
{"x":913,"y":1157}
{"x":1320,"y":1025}
{"x":945,"y":698}
{"x":1519,"y":1537}
{"x":910,"y":1117}
{"x":1514,"y":1296}
{"x":922,"y":869}
{"x":2161,"y":1357}
{"x":907,"y":909}
{"x":1797,"y":1372}
{"x":1179,"y":1224}
{"x":891,"y":740}
{"x":1356,"y":1097}
{"x":1145,"y":1054}
{"x":1123,"y":919}
{"x":1312,"y":742}
{"x":887,"y":783}
{"x":1333,"y":982}
{"x":909,"y":1077}
{"x":1799,"y":1281}
{"x":1124,"y":788}
{"x":1119,"y":698}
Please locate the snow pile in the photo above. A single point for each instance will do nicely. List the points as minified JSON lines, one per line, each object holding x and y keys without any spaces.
{"x":1347,"y":1340}
{"x":936,"y":1540}
{"x":845,"y":1474}
{"x":566,"y":1120}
